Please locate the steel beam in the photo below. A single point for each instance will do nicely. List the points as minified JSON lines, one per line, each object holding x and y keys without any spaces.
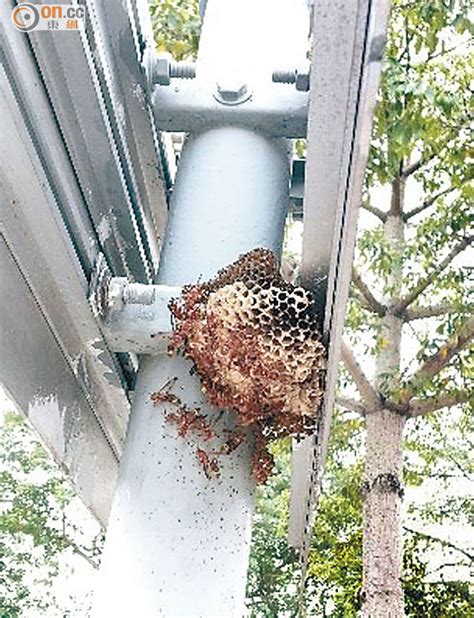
{"x":49,"y":270}
{"x":99,"y":93}
{"x":348,"y":43}
{"x":80,"y":177}
{"x":47,"y":389}
{"x":39,"y":240}
{"x":22,"y":80}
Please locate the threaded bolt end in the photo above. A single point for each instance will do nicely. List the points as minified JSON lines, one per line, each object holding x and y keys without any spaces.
{"x":284,"y":76}
{"x":138,"y":294}
{"x":183,"y":70}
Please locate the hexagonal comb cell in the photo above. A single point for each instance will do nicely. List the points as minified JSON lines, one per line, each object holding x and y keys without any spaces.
{"x":256,"y":347}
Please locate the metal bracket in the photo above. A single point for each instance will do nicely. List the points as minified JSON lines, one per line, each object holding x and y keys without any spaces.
{"x":134,"y":317}
{"x":192,"y":106}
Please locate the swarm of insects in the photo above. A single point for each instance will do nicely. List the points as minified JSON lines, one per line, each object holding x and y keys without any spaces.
{"x":256,"y":347}
{"x":189,"y":422}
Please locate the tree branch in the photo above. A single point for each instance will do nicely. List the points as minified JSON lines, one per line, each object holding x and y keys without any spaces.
{"x":443,"y":542}
{"x":411,"y":168}
{"x":446,"y":565}
{"x":420,"y":407}
{"x":444,"y":52}
{"x":368,"y":395}
{"x":80,"y":552}
{"x":436,"y":362}
{"x":425,"y":204}
{"x":419,"y":313}
{"x":424,"y":283}
{"x":360,"y":299}
{"x":459,"y":467}
{"x":376,"y":306}
{"x":406,"y":49}
{"x":352,"y":405}
{"x":380,"y":214}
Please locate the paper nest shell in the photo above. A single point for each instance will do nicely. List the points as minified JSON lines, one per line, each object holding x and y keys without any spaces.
{"x":256,"y":347}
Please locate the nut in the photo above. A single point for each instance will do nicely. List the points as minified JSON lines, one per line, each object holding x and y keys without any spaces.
{"x":161,"y":69}
{"x":302,"y":78}
{"x":232,"y":91}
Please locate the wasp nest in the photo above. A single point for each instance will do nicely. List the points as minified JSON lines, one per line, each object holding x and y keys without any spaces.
{"x":254,"y":342}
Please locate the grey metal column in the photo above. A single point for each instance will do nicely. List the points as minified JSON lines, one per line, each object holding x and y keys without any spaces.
{"x":178,"y":542}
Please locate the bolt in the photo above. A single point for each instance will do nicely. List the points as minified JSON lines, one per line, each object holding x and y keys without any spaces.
{"x":118,"y":291}
{"x":299,"y":77}
{"x":138,"y":294}
{"x":284,"y":76}
{"x":161,"y":68}
{"x":115,"y":294}
{"x":183,"y":70}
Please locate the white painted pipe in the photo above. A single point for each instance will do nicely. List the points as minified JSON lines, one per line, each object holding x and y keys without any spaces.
{"x":177,"y":542}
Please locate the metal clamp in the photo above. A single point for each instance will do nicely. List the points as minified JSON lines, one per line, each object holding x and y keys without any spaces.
{"x":193,"y":106}
{"x":134,"y":317}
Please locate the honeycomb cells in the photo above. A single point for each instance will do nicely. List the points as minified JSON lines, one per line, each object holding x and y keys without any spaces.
{"x":255,"y":344}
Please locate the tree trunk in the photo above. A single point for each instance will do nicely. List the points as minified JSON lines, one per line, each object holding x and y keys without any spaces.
{"x":382,"y":504}
{"x":382,"y":487}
